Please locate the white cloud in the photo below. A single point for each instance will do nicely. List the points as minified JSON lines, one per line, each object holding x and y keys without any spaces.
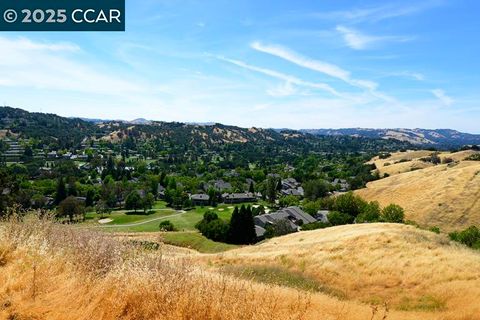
{"x":443,"y":97}
{"x":360,"y":41}
{"x":414,"y":75}
{"x":57,"y":66}
{"x":287,"y":78}
{"x":322,"y":67}
{"x":284,"y":90}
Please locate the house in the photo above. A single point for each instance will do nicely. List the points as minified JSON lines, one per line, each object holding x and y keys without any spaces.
{"x":52,"y":154}
{"x":293,"y":216}
{"x":343,"y":185}
{"x":322,"y":215}
{"x":290,"y":183}
{"x":260,"y":232}
{"x":221,"y":185}
{"x":238,"y":197}
{"x":160,"y":191}
{"x":291,"y":186}
{"x":299,"y":192}
{"x":200,"y":199}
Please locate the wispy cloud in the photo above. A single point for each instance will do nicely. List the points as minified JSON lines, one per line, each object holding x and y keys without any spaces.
{"x":379,"y":13}
{"x":408,"y":74}
{"x":443,"y":97}
{"x":322,"y":67}
{"x":56,"y":66}
{"x":285,"y":77}
{"x":360,"y":41}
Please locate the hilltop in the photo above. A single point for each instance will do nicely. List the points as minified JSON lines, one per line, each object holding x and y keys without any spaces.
{"x":446,"y":195}
{"x":410,"y":268}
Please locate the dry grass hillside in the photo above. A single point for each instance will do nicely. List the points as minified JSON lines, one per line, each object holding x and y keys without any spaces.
{"x":400,"y":162}
{"x":410,"y":268}
{"x":56,"y":272}
{"x":445,"y":195}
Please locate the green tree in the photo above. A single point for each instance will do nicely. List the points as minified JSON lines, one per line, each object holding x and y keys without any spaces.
{"x":337,"y":218}
{"x":212,"y":227}
{"x":166,"y":226}
{"x":147,"y":202}
{"x":61,"y":193}
{"x":370,"y":213}
{"x":242,"y":226}
{"x":393,"y":213}
{"x":288,"y":201}
{"x":133,"y":201}
{"x":71,"y":208}
{"x":271,"y":189}
{"x":315,"y":189}
{"x":102,"y":208}
{"x":350,"y":204}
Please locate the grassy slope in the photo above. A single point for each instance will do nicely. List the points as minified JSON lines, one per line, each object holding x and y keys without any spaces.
{"x":194,"y":240}
{"x":82,"y":275}
{"x":447,"y":196}
{"x":410,"y":268}
{"x":401,"y":162}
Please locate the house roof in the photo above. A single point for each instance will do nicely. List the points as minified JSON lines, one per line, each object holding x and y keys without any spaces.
{"x":200,"y":196}
{"x":259,"y":231}
{"x":299,"y":214}
{"x":245,"y":195}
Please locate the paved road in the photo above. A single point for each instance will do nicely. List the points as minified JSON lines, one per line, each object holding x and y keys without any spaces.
{"x":141,"y":222}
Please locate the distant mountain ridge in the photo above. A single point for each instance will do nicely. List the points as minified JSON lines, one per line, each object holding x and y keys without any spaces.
{"x":433,"y":137}
{"x":70,"y":133}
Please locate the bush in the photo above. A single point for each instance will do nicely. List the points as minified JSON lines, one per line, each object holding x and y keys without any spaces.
{"x":371,"y":213}
{"x":212,"y":227}
{"x":393,"y":213}
{"x":167,"y":226}
{"x":349,"y":204}
{"x":316,"y":225}
{"x":469,"y":237}
{"x":435,"y":230}
{"x":337,"y":218}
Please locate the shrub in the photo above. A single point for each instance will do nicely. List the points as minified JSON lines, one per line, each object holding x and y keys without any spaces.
{"x":469,"y":237}
{"x":447,"y":160}
{"x":371,"y":213}
{"x":316,"y":225}
{"x":167,"y":226}
{"x":212,"y":227}
{"x":349,"y":204}
{"x":435,"y":229}
{"x":393,"y":213}
{"x":337,"y":218}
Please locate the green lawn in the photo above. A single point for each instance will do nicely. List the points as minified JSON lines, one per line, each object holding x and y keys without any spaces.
{"x":127,"y":216}
{"x":183,"y":222}
{"x":196,"y":241}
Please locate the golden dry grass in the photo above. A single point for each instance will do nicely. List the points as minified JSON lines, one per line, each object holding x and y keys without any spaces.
{"x":411,"y":268}
{"x":400,"y":162}
{"x":447,"y":195}
{"x":57,"y":272}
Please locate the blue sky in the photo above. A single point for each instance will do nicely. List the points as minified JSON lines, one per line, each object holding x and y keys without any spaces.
{"x":296,"y":64}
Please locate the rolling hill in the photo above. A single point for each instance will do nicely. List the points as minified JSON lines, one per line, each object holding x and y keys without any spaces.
{"x":441,"y":138}
{"x":410,"y":268}
{"x":71,"y":133}
{"x":48,"y":271}
{"x":445,"y":195}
